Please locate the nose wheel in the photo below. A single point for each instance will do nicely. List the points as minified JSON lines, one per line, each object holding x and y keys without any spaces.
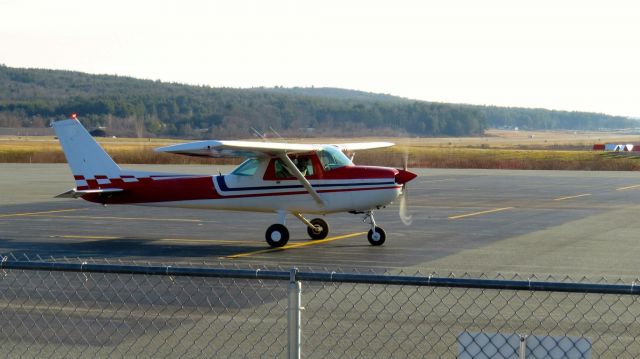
{"x":376,"y":235}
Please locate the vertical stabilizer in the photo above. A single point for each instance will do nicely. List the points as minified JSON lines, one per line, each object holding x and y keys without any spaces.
{"x":88,"y":161}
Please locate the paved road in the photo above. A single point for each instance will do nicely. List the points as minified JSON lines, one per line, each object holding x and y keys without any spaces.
{"x":540,"y":222}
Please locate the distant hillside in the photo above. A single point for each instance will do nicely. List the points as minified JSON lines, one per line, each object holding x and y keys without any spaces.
{"x":332,"y":92}
{"x":133,"y":107}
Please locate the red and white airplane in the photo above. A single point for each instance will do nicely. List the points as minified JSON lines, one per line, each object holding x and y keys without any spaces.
{"x":278,"y":178}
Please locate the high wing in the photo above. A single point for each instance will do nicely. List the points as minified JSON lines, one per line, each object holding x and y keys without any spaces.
{"x":359,"y":146}
{"x":213,"y":148}
{"x":237,"y":148}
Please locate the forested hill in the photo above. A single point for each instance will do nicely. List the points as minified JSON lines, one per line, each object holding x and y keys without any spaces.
{"x":332,"y":92}
{"x":133,"y":107}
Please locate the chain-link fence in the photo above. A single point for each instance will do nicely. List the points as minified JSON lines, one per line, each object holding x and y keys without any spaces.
{"x":50,"y":309}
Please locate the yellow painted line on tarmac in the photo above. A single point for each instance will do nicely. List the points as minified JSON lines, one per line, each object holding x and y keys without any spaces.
{"x":570,"y":197}
{"x":124,"y":218}
{"x":481,"y":212}
{"x":628,"y":187}
{"x":296,"y":245}
{"x":39,"y":213}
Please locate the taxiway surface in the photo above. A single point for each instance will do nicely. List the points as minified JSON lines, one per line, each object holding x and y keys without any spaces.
{"x":541,"y":222}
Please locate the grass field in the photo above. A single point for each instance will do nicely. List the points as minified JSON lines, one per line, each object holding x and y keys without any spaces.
{"x":497,"y":150}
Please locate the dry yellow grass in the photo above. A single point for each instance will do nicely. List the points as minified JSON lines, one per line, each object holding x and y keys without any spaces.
{"x":500,"y":152}
{"x":32,"y":150}
{"x":433,"y":157}
{"x":504,"y":139}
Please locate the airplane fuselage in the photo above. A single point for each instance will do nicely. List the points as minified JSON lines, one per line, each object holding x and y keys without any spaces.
{"x":345,"y":192}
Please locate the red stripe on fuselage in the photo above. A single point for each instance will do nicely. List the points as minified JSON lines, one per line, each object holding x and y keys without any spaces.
{"x":149,"y":190}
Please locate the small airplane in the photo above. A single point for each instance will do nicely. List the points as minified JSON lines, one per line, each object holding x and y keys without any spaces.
{"x":281,"y":178}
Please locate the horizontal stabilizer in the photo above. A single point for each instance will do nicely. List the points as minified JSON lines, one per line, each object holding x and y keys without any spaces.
{"x":74,"y":193}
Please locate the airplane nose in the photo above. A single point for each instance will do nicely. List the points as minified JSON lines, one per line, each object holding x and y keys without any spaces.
{"x":404,"y":176}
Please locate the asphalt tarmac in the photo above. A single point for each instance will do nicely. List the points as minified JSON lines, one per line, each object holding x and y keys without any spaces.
{"x":464,"y":221}
{"x":534,"y":223}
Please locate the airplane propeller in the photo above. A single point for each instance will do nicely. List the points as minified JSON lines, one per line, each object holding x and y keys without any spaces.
{"x":403,"y":211}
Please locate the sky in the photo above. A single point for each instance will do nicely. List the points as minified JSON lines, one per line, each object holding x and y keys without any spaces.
{"x":567,"y":55}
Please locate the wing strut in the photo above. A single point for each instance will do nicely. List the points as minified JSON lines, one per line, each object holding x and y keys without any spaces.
{"x":296,"y":172}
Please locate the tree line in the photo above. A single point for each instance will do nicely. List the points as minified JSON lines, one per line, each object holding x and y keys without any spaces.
{"x":133,"y":107}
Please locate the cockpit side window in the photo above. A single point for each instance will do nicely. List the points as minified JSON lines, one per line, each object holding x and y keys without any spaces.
{"x":281,"y":170}
{"x":303,"y":163}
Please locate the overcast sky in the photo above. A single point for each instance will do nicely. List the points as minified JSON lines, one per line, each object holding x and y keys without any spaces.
{"x":571,"y":55}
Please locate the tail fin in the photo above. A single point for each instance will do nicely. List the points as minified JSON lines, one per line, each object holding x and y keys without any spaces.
{"x":88,"y":161}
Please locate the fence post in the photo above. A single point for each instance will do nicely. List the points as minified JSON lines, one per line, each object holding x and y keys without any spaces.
{"x":294,"y":329}
{"x":523,"y":347}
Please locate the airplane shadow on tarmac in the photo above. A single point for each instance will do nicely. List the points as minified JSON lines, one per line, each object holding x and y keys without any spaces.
{"x":121,"y":249}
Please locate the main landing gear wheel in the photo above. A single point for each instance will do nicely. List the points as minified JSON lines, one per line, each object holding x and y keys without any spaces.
{"x":321,"y":231}
{"x":376,"y":236}
{"x":277,"y":235}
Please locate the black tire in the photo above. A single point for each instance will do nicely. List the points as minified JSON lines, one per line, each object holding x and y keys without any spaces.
{"x":378,"y":238}
{"x":324,"y":229}
{"x":277,"y":235}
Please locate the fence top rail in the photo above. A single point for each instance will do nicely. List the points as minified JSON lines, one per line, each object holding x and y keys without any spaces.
{"x":428,"y":281}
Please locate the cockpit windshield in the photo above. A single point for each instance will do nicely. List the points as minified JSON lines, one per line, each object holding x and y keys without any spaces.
{"x":247,"y":168}
{"x":332,"y":158}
